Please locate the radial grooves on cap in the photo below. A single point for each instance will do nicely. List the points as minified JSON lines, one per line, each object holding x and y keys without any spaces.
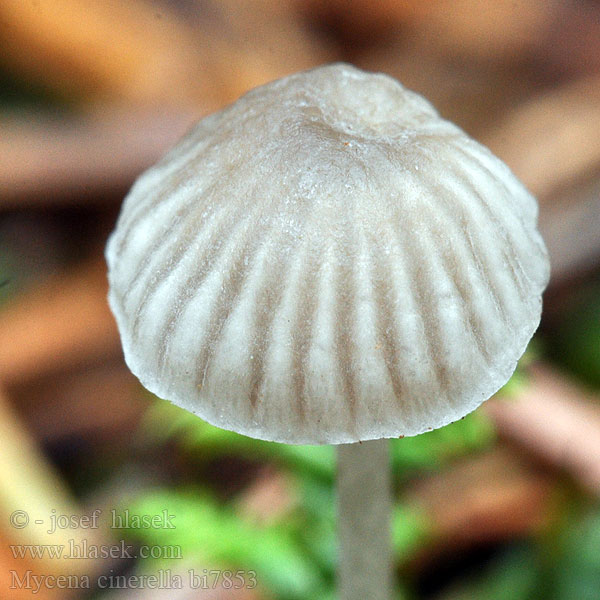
{"x":224,"y":305}
{"x":474,"y":209}
{"x":194,"y":202}
{"x":188,"y":203}
{"x":467,"y":288}
{"x":171,"y":186}
{"x":262,"y":323}
{"x":301,"y":330}
{"x":469,"y":197}
{"x":424,"y":298}
{"x":477,"y":248}
{"x":303,"y":273}
{"x":269,"y":281}
{"x":517,"y":270}
{"x":345,"y":285}
{"x":242,"y":265}
{"x":166,"y":254}
{"x":176,"y":250}
{"x":457,"y":211}
{"x":433,"y":336}
{"x":464,"y":288}
{"x":518,"y":202}
{"x":484,"y":271}
{"x":509,"y":242}
{"x":382,"y":291}
{"x":513,"y":249}
{"x":404,"y":303}
{"x":503,"y":202}
{"x":274,"y":282}
{"x":179,"y":179}
{"x":210,"y":252}
{"x":506,"y":239}
{"x":248,"y":246}
{"x":500,"y":205}
{"x":173,"y":178}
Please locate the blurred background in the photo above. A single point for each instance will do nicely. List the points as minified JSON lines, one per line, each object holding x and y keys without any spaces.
{"x":501,"y":505}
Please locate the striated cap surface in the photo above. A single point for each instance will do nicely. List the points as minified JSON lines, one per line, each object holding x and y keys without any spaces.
{"x":327,"y":261}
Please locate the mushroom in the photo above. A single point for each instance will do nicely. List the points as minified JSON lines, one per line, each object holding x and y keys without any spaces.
{"x":327,"y":261}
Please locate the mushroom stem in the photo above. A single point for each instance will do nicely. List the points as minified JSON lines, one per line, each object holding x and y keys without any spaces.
{"x":365,"y":503}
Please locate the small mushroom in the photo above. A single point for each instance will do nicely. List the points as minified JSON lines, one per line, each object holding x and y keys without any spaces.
{"x":327,"y":261}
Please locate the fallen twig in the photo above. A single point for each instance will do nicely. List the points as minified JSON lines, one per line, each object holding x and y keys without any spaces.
{"x":483,"y":499}
{"x":554,"y":139}
{"x":62,"y":323}
{"x":60,"y":161}
{"x":557,"y":421}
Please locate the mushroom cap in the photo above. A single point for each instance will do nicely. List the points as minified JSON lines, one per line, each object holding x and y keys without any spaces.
{"x":327,"y":261}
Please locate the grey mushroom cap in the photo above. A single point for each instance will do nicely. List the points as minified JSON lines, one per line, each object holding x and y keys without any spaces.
{"x":327,"y":261}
